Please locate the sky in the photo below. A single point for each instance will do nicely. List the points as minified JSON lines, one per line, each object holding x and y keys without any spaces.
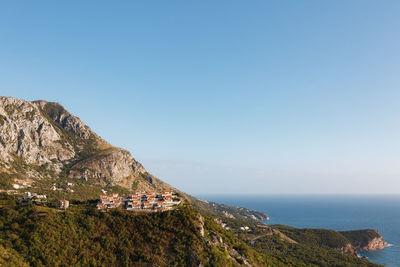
{"x":223,"y":97}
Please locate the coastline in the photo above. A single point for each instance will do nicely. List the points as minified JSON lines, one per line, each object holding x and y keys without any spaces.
{"x":338,"y":212}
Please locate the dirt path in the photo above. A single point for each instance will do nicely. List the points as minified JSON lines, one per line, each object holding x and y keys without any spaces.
{"x":258,"y":237}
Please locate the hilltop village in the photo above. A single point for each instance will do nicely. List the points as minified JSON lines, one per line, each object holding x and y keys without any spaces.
{"x":140,"y":201}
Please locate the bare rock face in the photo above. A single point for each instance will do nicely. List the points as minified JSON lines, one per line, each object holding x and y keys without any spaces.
{"x":24,"y":132}
{"x":367,"y":239}
{"x":348,"y":249}
{"x":216,"y":240}
{"x":42,"y":133}
{"x":374,"y":244}
{"x":109,"y":167}
{"x":63,"y":118}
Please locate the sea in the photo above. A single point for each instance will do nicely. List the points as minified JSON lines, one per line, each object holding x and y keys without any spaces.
{"x":337,"y":212}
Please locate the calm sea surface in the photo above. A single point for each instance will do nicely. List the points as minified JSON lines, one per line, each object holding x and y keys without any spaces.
{"x":333,"y":212}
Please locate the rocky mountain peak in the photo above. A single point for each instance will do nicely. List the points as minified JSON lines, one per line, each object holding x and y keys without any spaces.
{"x":26,"y":133}
{"x":64,"y":119}
{"x":44,"y":134}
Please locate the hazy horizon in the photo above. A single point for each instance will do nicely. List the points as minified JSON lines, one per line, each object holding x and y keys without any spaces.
{"x":267,"y":97}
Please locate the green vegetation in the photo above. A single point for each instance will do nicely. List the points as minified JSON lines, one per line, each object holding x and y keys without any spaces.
{"x":242,"y":216}
{"x":315,"y":237}
{"x":83,"y":191}
{"x":5,"y":180}
{"x":37,"y":234}
{"x":83,"y":236}
{"x":281,"y":252}
{"x":11,"y":258}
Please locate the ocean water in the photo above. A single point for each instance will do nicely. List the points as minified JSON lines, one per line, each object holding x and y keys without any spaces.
{"x":332,"y":212}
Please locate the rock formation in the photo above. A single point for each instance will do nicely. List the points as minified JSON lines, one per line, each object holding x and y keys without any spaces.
{"x":374,"y":244}
{"x":42,"y":139}
{"x":368,"y":239}
{"x":26,"y":133}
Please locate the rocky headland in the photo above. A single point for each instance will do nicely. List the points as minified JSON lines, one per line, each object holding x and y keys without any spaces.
{"x":368,"y":239}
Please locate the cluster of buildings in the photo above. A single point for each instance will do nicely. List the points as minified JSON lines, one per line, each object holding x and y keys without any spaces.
{"x":28,"y":196}
{"x":139,"y":201}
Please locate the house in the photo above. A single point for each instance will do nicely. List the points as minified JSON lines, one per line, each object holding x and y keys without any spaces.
{"x":109,"y":202}
{"x":63,"y":204}
{"x":147,"y":205}
{"x":166,"y":193}
{"x":168,"y":198}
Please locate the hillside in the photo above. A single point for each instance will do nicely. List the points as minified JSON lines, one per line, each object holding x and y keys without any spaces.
{"x":84,"y":236}
{"x":46,"y":150}
{"x":42,"y":141}
{"x":40,"y":235}
{"x":319,"y":237}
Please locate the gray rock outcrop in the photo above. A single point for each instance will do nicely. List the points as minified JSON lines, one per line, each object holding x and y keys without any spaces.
{"x":26,"y":133}
{"x":42,"y":133}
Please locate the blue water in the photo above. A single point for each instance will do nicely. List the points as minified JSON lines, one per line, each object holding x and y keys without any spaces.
{"x":333,"y":212}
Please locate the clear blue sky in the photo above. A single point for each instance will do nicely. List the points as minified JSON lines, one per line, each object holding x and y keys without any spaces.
{"x":266,"y":97}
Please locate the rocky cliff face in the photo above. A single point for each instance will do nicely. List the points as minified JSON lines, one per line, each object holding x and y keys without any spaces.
{"x":42,"y":139}
{"x":27,"y":134}
{"x":64,"y":119}
{"x":111,"y":166}
{"x":374,"y":244}
{"x":348,"y":249}
{"x":368,"y":239}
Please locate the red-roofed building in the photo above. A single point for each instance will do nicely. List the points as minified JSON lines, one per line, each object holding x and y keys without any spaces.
{"x":107,"y":202}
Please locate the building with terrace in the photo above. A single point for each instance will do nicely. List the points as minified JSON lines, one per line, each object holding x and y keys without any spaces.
{"x":109,"y":202}
{"x":139,"y":201}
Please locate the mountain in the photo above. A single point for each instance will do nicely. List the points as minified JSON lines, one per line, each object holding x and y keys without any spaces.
{"x":44,"y":146}
{"x":41,"y":141}
{"x":46,"y":150}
